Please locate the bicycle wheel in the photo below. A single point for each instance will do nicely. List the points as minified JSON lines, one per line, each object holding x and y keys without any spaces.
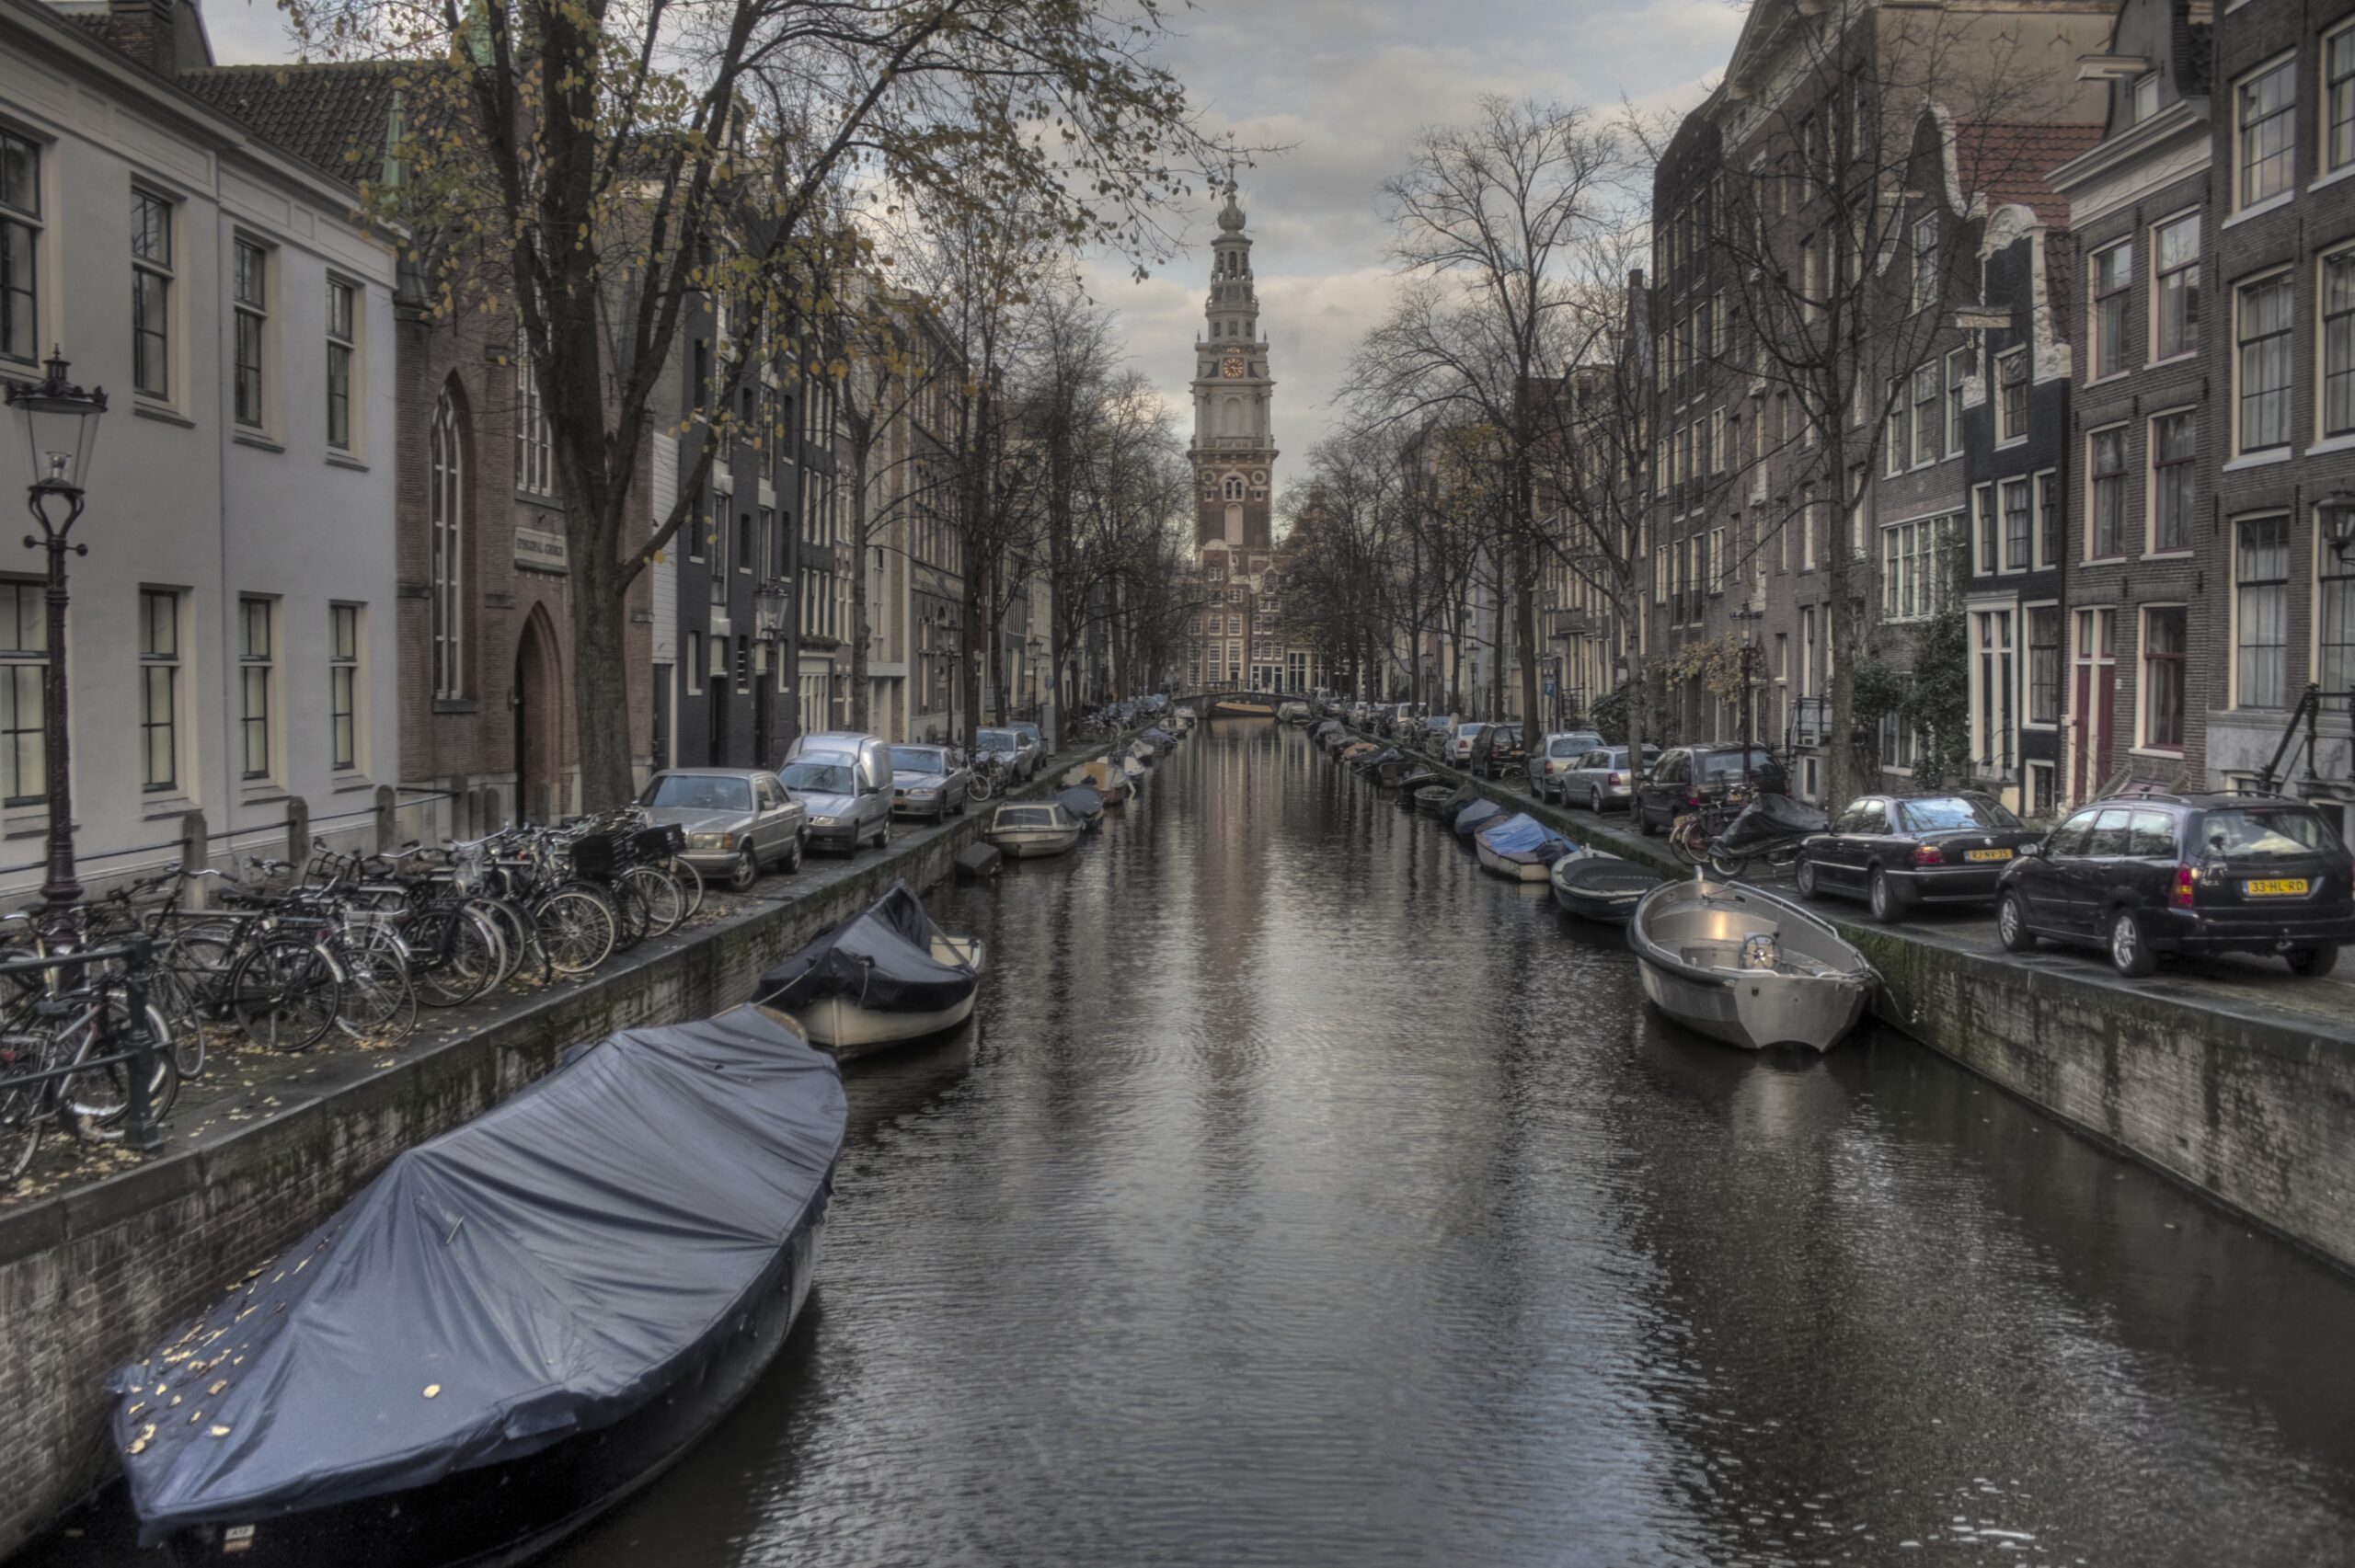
{"x":576,"y":929}
{"x":1724,"y":862}
{"x":453,"y":956}
{"x":513,"y":929}
{"x":1690,"y":842}
{"x":20,"y":1114}
{"x":285,"y":994}
{"x":631,"y":918}
{"x":690,"y":882}
{"x":97,"y":1101}
{"x":666,"y":902}
{"x":980,"y":789}
{"x":379,"y":1002}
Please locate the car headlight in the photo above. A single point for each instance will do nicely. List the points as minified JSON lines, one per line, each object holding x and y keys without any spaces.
{"x":703,"y":841}
{"x":821,"y":821}
{"x":922,"y":794}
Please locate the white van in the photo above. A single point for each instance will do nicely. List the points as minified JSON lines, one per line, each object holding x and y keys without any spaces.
{"x":844,"y":780}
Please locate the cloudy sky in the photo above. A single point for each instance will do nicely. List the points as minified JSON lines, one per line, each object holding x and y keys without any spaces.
{"x":1344,"y":85}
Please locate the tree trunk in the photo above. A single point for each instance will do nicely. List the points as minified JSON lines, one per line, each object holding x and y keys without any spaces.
{"x":858,"y":638}
{"x":600,"y":680}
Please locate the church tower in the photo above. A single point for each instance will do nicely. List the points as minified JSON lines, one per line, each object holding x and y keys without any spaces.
{"x":1235,"y":445}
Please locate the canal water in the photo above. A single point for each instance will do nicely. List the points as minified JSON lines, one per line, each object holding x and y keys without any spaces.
{"x":1307,"y":1197}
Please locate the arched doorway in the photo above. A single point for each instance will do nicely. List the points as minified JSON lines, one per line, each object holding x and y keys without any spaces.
{"x":535,"y":700}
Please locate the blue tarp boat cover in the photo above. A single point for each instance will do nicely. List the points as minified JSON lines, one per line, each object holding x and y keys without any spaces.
{"x":1160,"y":737}
{"x":881,"y":960}
{"x":1082,"y":802}
{"x":1524,"y":838}
{"x":1477,"y":815}
{"x":543,"y":1270}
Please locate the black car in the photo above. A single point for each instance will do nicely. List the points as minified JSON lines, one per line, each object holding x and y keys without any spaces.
{"x":1686,"y":775}
{"x":2146,"y":875}
{"x":1498,"y":751}
{"x":1895,"y":851}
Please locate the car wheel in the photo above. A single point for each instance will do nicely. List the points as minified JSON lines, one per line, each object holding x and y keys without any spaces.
{"x":1886,"y":909}
{"x":1644,"y":820}
{"x":745,"y":872}
{"x":2011,"y":925}
{"x":1595,"y":799}
{"x":1803,"y":876}
{"x":883,"y":834}
{"x":2130,"y":946}
{"x":2313,"y":963}
{"x":793,"y":854}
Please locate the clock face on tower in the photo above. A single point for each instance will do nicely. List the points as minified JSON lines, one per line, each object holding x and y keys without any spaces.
{"x":1232,"y":369}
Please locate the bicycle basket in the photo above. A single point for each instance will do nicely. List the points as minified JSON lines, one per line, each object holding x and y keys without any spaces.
{"x":658,"y":844}
{"x":592,"y":855}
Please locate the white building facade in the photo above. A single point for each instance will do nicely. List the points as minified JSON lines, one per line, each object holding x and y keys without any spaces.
{"x":230,"y":646}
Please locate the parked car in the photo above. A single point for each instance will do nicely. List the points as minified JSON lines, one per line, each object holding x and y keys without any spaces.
{"x":1500,"y":751}
{"x":1430,"y":735}
{"x":739,"y":821}
{"x":929,"y":781}
{"x":1555,"y":756}
{"x":2148,"y":874}
{"x":1037,"y":738}
{"x":1601,"y":779}
{"x":845,"y":778}
{"x":1008,"y":744}
{"x":1896,"y":852}
{"x":1461,"y":741}
{"x":1686,"y":775}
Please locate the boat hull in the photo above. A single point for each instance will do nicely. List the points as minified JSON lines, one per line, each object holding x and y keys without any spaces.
{"x":498,"y":1514}
{"x":1035,"y":843}
{"x":1686,"y":935}
{"x":1232,"y":709}
{"x":1517,"y":870}
{"x":840,"y":1024}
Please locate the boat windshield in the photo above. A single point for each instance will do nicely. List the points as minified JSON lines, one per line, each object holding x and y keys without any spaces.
{"x":1956,"y":811}
{"x":1027,"y":817}
{"x":699,"y":792}
{"x":819,"y":778}
{"x":918,"y":760}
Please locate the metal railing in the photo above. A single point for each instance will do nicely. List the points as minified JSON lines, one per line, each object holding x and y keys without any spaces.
{"x":137,"y":956}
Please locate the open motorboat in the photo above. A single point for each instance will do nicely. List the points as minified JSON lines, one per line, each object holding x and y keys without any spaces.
{"x":1417,"y":781}
{"x":1187,"y":716}
{"x":1436,"y":799}
{"x":1393,"y":769}
{"x":1295,"y":712}
{"x":1520,"y":847}
{"x":878,"y":978}
{"x":1242,"y":707}
{"x":515,"y":1326}
{"x":1481,"y":813}
{"x":1030,"y":830}
{"x":1598,"y":886}
{"x":1747,"y":968}
{"x":1356,"y":750}
{"x":1106,"y":777}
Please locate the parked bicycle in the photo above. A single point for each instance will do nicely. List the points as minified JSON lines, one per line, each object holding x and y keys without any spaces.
{"x":73,"y":1030}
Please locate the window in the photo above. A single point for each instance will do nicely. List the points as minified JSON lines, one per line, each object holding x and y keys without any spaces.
{"x":2142,"y":97}
{"x":2011,"y":396}
{"x":343,"y":685}
{"x":1986,"y":552}
{"x":252,"y":299}
{"x":1913,"y":567}
{"x":2017,"y":529}
{"x":1925,"y":262}
{"x":2044,"y":664}
{"x":151,"y":293}
{"x":2043,"y":789}
{"x":24,"y":667}
{"x":1958,"y":371}
{"x":256,"y":669}
{"x":159,"y":689}
{"x":2262,"y":366}
{"x":1807,"y":528}
{"x":2113,"y":292}
{"x":2164,"y":642}
{"x":1992,"y":633}
{"x":694,"y":663}
{"x":20,"y":247}
{"x":2264,"y":108}
{"x":2175,"y":443}
{"x":341,"y":325}
{"x":2337,"y":290}
{"x":2107,"y":537}
{"x":534,"y":445}
{"x":2175,"y":257}
{"x":2261,"y":614}
{"x":2048,"y":519}
{"x":446,"y":502}
{"x":1899,"y":436}
{"x":2338,"y":100}
{"x":2335,"y":601}
{"x":1928,"y":435}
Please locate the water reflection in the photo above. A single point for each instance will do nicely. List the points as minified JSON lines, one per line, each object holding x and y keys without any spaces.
{"x":1305,"y":1197}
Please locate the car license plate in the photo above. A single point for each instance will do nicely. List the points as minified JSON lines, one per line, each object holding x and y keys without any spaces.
{"x":2275,"y":887}
{"x":1986,"y":855}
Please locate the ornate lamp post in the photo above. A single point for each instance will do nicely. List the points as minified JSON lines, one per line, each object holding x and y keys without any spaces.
{"x":61,"y":431}
{"x":1747,"y":615}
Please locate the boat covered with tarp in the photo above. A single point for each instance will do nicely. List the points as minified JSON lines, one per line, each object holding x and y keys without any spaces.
{"x":1600,"y":887}
{"x":881,"y":976}
{"x":1082,"y":802}
{"x":1481,"y":813}
{"x":1520,"y":847}
{"x":510,"y":1329}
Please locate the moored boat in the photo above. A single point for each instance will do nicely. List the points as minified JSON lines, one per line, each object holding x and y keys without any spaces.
{"x":1520,"y":847}
{"x":1031,"y":829}
{"x":1356,"y":750}
{"x":1602,"y":887}
{"x":1084,"y":803}
{"x":1295,"y":712}
{"x":878,"y":979}
{"x":1747,"y":968}
{"x":1242,"y":707}
{"x":1414,"y":783}
{"x":472,"y":1359}
{"x":1434,"y":800}
{"x":1107,"y":778}
{"x":1481,"y":813}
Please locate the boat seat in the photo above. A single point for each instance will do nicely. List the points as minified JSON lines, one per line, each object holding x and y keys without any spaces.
{"x":1727,"y":956}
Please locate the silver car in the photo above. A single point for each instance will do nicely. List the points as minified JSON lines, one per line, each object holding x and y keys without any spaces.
{"x":845,"y":778}
{"x":928,"y":781}
{"x":1602,"y":780}
{"x":739,"y":821}
{"x":1020,"y":752}
{"x":1561,"y":752}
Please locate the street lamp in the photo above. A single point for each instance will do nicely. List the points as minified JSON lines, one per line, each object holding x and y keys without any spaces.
{"x":60,"y":432}
{"x":1746,"y":615}
{"x":2338,"y":512}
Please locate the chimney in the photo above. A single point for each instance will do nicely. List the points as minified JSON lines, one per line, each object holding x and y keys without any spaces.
{"x":142,"y":30}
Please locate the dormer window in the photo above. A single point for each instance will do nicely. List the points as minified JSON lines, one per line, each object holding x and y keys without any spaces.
{"x":2142,"y":97}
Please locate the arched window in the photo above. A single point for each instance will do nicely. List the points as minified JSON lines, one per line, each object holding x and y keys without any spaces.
{"x":1235,"y":487}
{"x":445,"y":499}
